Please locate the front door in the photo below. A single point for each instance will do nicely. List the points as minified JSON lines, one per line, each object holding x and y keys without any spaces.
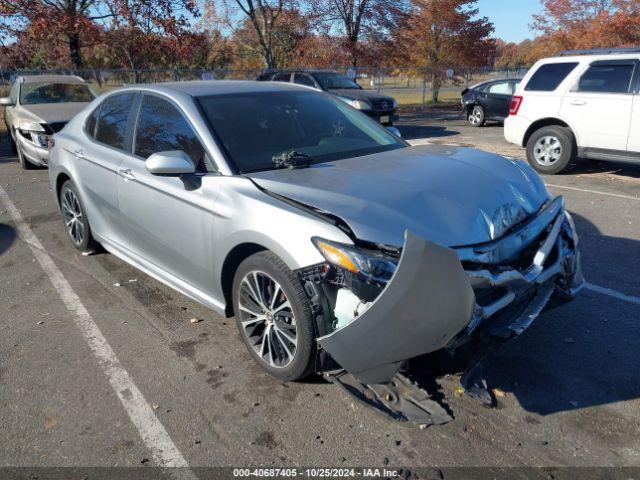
{"x":169,"y":220}
{"x":599,"y":107}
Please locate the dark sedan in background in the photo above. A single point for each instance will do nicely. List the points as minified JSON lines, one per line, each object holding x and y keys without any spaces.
{"x":488,"y":101}
{"x":380,"y":107}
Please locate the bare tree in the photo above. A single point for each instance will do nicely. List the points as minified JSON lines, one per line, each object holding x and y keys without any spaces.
{"x":357,"y":18}
{"x":263,"y":15}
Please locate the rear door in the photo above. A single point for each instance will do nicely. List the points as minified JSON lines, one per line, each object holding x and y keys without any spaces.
{"x":598,"y":106}
{"x":169,"y":220}
{"x":98,"y":161}
{"x":498,"y":99}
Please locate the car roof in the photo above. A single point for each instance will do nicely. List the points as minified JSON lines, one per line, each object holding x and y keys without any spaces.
{"x":590,"y":58}
{"x":300,"y":70}
{"x":200,"y":88}
{"x":50,"y":78}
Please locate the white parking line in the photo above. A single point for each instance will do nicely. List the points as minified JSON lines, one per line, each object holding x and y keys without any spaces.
{"x":153,"y":433}
{"x":612,"y":293}
{"x":598,"y":192}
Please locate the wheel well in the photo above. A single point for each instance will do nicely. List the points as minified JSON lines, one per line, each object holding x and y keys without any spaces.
{"x":63,"y":177}
{"x":545,"y":122}
{"x":235,"y":257}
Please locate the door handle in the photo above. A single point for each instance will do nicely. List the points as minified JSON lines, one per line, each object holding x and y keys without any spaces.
{"x":79,"y":154}
{"x":126,"y":174}
{"x":578,"y":103}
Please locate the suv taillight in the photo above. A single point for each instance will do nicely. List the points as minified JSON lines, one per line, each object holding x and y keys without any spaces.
{"x":516,"y":103}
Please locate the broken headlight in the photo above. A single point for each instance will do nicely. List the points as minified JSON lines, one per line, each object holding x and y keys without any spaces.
{"x":371,"y":264}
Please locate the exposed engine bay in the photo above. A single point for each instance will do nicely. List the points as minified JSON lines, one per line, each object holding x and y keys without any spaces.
{"x":378,"y":308}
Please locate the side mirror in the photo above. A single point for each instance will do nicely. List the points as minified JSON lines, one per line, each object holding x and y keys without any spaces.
{"x":6,"y":102}
{"x":395,"y":131}
{"x":173,"y":163}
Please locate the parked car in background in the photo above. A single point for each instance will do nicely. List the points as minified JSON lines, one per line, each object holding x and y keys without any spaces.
{"x":488,"y":101}
{"x":381,"y":107}
{"x":336,"y":245}
{"x":39,"y":106}
{"x":580,"y":104}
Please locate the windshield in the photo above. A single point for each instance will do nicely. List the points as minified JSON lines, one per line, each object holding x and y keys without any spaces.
{"x":255,"y":127}
{"x":335,"y":81}
{"x":47,"y":92}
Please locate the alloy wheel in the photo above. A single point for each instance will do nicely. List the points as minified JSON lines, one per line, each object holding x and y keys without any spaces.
{"x":73,"y":217}
{"x":547,"y":150}
{"x":475,"y":117}
{"x":267,"y":319}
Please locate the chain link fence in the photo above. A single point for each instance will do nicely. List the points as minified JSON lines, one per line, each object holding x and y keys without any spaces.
{"x":410,"y":86}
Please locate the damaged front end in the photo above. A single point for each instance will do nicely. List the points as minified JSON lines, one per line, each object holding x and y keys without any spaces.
{"x":377,"y":309}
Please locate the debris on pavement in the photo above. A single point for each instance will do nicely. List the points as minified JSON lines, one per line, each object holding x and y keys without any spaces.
{"x":196,"y":320}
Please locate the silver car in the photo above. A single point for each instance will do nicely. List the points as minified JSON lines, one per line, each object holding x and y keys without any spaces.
{"x":39,"y":106}
{"x":337,"y":246}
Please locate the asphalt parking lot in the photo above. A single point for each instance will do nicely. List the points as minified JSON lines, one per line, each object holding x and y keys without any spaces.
{"x":568,"y":388}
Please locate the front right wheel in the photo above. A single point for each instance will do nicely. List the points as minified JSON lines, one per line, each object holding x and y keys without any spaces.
{"x":551,"y":149}
{"x":274,"y":316}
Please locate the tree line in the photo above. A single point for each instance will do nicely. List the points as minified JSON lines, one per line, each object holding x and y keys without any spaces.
{"x":427,"y":35}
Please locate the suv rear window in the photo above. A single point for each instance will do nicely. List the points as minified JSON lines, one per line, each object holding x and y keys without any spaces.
{"x":548,"y":77}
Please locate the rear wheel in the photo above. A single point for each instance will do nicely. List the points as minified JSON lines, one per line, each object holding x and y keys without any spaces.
{"x":476,"y":116}
{"x":274,"y":316}
{"x":551,"y":149}
{"x":75,"y":218}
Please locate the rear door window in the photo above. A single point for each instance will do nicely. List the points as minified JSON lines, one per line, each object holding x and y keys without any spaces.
{"x":549,"y":76}
{"x":607,"y":78}
{"x":282,"y":77}
{"x":162,"y":128}
{"x":112,"y":122}
{"x":92,"y":120}
{"x":501,"y":88}
{"x":304,"y":79}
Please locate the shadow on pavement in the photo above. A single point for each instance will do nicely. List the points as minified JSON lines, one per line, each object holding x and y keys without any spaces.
{"x":7,"y":237}
{"x":589,"y":167}
{"x":411,"y":132}
{"x":581,"y":354}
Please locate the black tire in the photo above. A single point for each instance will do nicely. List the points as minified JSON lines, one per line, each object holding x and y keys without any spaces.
{"x":559,"y":153}
{"x":476,"y":117}
{"x":24,"y":163}
{"x":298,"y":363}
{"x":68,"y":207}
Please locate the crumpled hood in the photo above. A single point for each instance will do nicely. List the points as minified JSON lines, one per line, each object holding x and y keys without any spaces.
{"x":453,"y":196}
{"x":52,"y":112}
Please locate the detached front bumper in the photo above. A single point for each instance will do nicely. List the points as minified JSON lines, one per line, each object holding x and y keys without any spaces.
{"x":440,"y":298}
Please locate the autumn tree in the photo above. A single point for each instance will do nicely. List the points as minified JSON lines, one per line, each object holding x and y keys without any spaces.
{"x":358,"y":19}
{"x":143,"y":32}
{"x":69,"y":21}
{"x":579,"y":24}
{"x":265,"y":17}
{"x":442,"y":34}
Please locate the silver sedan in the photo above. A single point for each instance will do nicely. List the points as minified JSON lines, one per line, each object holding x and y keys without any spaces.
{"x":336,"y":246}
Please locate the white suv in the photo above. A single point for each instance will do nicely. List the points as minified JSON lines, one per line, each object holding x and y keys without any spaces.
{"x":580,"y":104}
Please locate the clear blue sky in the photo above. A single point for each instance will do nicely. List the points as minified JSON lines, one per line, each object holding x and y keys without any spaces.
{"x":511,"y":18}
